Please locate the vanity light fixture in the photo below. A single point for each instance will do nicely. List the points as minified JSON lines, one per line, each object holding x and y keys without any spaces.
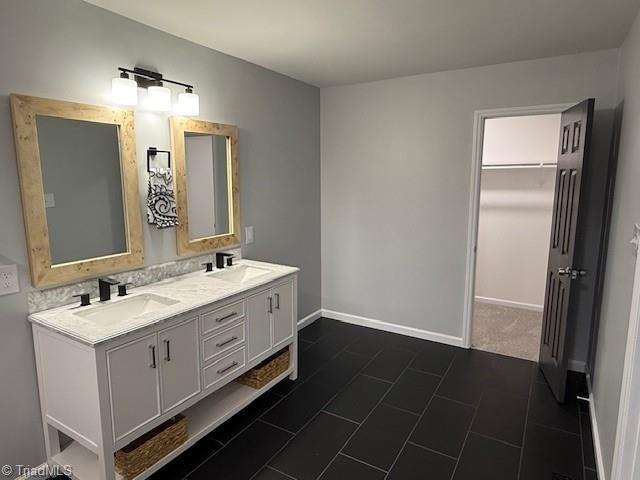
{"x":188,"y":104}
{"x":125,"y":91}
{"x":158,"y":98}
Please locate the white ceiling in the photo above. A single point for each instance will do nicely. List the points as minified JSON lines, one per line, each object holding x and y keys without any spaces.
{"x":333,"y":42}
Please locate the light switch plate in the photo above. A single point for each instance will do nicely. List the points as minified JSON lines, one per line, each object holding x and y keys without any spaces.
{"x":49,"y":200}
{"x":9,"y":279}
{"x":248,"y":235}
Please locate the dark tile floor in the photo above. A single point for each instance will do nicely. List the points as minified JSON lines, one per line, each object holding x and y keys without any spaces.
{"x":375,"y":405}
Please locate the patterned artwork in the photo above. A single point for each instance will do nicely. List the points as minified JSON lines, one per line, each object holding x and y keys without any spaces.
{"x":161,"y":201}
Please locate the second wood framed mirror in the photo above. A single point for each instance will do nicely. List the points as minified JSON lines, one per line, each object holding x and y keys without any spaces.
{"x":207,"y":185}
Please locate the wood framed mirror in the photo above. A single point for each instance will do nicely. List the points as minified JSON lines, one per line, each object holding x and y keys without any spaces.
{"x":207,"y":185}
{"x":79,"y":189}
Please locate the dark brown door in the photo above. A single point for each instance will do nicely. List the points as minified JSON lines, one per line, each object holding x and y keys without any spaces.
{"x":575,"y":135}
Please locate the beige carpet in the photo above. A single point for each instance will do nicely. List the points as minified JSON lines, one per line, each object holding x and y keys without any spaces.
{"x":506,"y":330}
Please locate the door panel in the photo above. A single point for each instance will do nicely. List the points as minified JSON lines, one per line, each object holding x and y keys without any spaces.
{"x":259,"y":308}
{"x":562,"y":272}
{"x":282,"y":313}
{"x":134,"y":385}
{"x":180,"y":369}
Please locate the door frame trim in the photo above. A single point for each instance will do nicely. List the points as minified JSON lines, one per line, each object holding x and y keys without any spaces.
{"x":626,"y":456}
{"x":480,"y":116}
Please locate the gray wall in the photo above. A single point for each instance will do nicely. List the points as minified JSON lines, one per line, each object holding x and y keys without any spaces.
{"x":70,"y":50}
{"x":516,"y":209}
{"x":396,"y":159}
{"x":616,"y":303}
{"x":87,"y":220}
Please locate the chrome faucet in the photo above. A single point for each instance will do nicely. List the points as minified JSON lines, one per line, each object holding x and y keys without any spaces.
{"x":104,"y":287}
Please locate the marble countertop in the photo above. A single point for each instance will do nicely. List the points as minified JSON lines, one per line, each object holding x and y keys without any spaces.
{"x":191,"y":291}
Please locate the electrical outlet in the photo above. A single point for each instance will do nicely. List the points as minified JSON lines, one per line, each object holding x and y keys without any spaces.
{"x":248,"y":235}
{"x":9,"y":279}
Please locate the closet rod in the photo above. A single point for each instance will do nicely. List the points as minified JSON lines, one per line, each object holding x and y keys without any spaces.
{"x":504,"y":166}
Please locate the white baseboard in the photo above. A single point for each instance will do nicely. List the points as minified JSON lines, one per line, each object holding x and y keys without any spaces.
{"x":391,"y":327}
{"x":597,"y":446}
{"x":309,"y":319}
{"x":510,"y":303}
{"x":577,"y":366}
{"x":573,"y":365}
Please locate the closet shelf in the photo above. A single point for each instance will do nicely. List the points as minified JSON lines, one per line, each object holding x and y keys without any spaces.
{"x":505,"y":166}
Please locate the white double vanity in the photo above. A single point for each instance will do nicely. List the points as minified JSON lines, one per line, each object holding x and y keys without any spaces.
{"x":112,"y":371}
{"x":124,"y":367}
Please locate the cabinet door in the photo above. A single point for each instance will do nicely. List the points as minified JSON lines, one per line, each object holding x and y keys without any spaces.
{"x":180,"y":367}
{"x":134,"y":384}
{"x":259,"y":309}
{"x":283,"y":322}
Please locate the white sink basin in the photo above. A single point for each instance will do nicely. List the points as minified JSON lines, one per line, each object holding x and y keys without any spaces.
{"x":239,"y":274}
{"x":131,"y":307}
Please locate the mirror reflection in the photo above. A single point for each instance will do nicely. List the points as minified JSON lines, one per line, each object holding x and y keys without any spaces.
{"x":207,"y":184}
{"x":81,"y":175}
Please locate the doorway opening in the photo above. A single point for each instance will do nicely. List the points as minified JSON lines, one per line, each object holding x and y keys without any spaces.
{"x":577,"y":238}
{"x":519,"y":158}
{"x":514,"y":179}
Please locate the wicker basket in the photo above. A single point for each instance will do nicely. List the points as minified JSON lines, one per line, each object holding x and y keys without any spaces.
{"x":143,"y":452}
{"x":266,"y":371}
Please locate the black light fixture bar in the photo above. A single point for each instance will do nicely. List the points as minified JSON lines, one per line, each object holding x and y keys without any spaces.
{"x":148,"y":78}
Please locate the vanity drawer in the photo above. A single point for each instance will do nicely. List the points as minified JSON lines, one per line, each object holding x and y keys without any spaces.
{"x":224,"y":367}
{"x":222,"y":317}
{"x":222,"y":342}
